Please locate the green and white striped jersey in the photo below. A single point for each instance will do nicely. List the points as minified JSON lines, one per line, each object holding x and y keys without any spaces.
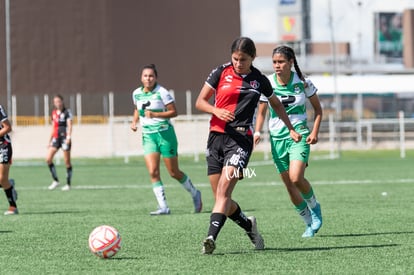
{"x":293,"y":97}
{"x":155,"y":101}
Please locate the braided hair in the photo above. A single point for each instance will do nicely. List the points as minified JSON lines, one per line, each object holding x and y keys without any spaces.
{"x":289,"y":54}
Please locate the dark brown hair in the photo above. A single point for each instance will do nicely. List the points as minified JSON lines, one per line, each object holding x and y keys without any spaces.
{"x":245,"y":45}
{"x":61,"y":98}
{"x":152,"y":67}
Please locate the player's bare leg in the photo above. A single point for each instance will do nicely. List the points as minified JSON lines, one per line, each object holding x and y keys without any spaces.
{"x":49,"y":160}
{"x":68,"y":164}
{"x":152,"y":162}
{"x":173,"y":169}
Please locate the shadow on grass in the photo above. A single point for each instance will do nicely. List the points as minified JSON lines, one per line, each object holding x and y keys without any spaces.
{"x":293,"y":249}
{"x":311,"y":249}
{"x":122,"y":258}
{"x":364,"y":234}
{"x":52,"y":212}
{"x":5,"y":231}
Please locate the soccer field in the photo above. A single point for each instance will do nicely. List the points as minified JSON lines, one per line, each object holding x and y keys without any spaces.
{"x":366,"y":198}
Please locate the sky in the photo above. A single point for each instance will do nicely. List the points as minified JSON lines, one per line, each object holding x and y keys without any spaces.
{"x":259,"y":20}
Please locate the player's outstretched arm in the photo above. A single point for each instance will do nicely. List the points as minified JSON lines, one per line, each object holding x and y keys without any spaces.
{"x":68,"y":131}
{"x":6,"y":128}
{"x":135,"y":120}
{"x":261,"y":115}
{"x":203,"y":105}
{"x":169,"y":113}
{"x":316,"y":104}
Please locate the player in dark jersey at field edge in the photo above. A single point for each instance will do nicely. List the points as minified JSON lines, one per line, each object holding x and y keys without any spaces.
{"x":236,"y":88}
{"x":60,"y":138}
{"x":6,"y":153}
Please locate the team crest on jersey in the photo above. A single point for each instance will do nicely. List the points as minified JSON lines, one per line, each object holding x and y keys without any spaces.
{"x":228,"y":78}
{"x":297,"y":89}
{"x":254,"y":84}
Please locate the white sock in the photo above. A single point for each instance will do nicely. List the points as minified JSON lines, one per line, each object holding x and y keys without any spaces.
{"x":158,"y":190}
{"x":304,"y":212}
{"x":311,"y":202}
{"x":188,"y":185}
{"x":310,"y":198}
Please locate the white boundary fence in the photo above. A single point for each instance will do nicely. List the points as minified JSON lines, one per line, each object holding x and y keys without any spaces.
{"x":115,"y":139}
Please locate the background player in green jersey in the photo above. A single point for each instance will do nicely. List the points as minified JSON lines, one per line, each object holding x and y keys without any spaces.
{"x":291,"y":158}
{"x":154,"y":108}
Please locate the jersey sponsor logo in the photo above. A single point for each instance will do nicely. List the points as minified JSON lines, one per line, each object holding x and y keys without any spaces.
{"x":228,"y":78}
{"x":254,"y":84}
{"x":297,"y":89}
{"x":287,"y":100}
{"x":169,"y":97}
{"x":145,"y":105}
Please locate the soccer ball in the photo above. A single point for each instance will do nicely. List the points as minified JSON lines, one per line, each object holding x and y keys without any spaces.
{"x":104,"y":241}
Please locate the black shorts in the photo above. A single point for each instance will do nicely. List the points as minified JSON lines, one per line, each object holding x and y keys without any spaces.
{"x":6,"y":153}
{"x":60,"y":142}
{"x":228,"y":150}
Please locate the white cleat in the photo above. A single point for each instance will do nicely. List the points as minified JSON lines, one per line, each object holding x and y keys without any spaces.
{"x":53,"y":185}
{"x":11,"y":211}
{"x":255,"y":236}
{"x":160,"y":211}
{"x":66,"y":187}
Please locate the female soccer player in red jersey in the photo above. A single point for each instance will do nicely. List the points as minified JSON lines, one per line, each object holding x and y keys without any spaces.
{"x":291,"y":158}
{"x":5,"y":162}
{"x":60,"y":138}
{"x":236,"y":88}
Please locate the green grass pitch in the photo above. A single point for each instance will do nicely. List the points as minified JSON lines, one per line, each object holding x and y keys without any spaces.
{"x":364,"y":231}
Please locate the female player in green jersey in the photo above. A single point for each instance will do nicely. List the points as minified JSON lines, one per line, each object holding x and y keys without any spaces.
{"x":291,"y":158}
{"x":154,"y":106}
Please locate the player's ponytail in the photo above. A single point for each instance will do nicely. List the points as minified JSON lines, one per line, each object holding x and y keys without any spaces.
{"x":290,"y":54}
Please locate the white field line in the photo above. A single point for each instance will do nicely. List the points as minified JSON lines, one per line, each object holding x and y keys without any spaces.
{"x":245,"y":183}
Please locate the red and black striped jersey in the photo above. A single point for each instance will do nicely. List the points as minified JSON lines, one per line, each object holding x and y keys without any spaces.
{"x":60,"y":122}
{"x":238,"y":94}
